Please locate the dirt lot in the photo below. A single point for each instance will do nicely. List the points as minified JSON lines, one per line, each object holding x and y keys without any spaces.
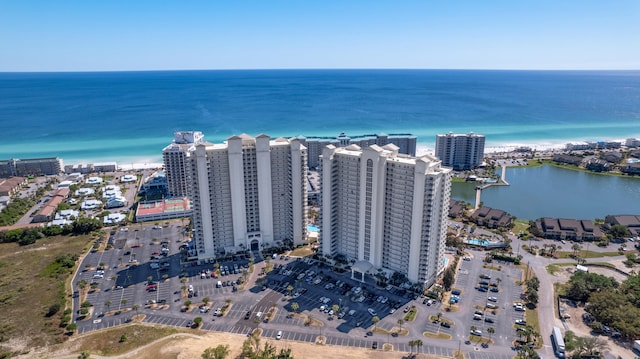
{"x":187,"y":346}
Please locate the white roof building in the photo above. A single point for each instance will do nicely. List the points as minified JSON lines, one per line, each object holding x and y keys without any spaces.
{"x":65,"y":184}
{"x":94,"y":180}
{"x":129,"y":178}
{"x":115,"y":202}
{"x":386,"y":208}
{"x":85,"y":191}
{"x":90,"y":204}
{"x":114,"y":218}
{"x":67,"y":214}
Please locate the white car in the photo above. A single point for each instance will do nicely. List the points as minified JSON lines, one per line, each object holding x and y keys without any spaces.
{"x":372,"y":312}
{"x":476,"y":332}
{"x":279,"y":335}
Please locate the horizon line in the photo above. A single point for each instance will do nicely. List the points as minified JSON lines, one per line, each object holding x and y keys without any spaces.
{"x":325,"y":69}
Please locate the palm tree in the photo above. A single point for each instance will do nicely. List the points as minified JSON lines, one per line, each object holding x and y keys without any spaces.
{"x":576,"y":247}
{"x":82,"y":284}
{"x":418,"y":343}
{"x":289,"y":289}
{"x":136,"y":307}
{"x":335,"y":308}
{"x":412,"y":343}
{"x":400,"y":322}
{"x":295,"y":306}
{"x":107,"y":304}
{"x":490,"y":330}
{"x":527,"y":353}
{"x":375,"y":321}
{"x":473,"y":328}
{"x":124,"y":301}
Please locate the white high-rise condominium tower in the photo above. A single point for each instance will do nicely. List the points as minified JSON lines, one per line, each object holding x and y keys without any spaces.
{"x":462,"y":152}
{"x":248,"y":193}
{"x":385,"y":208}
{"x":175,"y":157}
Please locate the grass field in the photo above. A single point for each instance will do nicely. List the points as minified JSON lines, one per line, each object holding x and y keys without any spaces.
{"x":32,"y":290}
{"x":109,"y":342}
{"x":301,"y":251}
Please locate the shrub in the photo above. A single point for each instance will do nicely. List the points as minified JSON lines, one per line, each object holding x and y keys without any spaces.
{"x":53,"y":309}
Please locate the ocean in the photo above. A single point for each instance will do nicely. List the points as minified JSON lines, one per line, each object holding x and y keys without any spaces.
{"x":128,"y":117}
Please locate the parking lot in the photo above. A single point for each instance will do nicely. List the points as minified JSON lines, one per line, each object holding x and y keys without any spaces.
{"x":487,"y":299}
{"x":129,"y":284}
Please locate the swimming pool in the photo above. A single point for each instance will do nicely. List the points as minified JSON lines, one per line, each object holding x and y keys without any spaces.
{"x":477,"y":242}
{"x":312,"y":228}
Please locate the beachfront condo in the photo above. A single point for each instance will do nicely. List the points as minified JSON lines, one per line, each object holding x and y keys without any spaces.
{"x":175,"y":157}
{"x":248,"y":193}
{"x":315,"y":144}
{"x":461,"y":152}
{"x":381,"y":209}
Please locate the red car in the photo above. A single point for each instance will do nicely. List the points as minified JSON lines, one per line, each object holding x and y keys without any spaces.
{"x":152,"y":288}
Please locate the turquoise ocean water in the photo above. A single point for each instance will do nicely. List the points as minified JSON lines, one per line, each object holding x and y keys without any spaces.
{"x":130,"y":116}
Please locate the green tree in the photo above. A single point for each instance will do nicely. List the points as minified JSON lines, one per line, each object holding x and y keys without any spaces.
{"x":82,"y":284}
{"x":412,"y":343}
{"x":197,"y":321}
{"x":618,"y":231}
{"x":490,"y":330}
{"x":219,"y":352}
{"x":582,"y":284}
{"x":527,"y":353}
{"x":531,"y":296}
{"x":576,"y":248}
{"x":72,"y":327}
{"x":335,"y":308}
{"x":448,"y":278}
{"x":418,"y":343}
{"x":84,"y":355}
{"x":533,"y":282}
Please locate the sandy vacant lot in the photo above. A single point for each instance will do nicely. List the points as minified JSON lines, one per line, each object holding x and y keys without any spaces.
{"x":187,"y":346}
